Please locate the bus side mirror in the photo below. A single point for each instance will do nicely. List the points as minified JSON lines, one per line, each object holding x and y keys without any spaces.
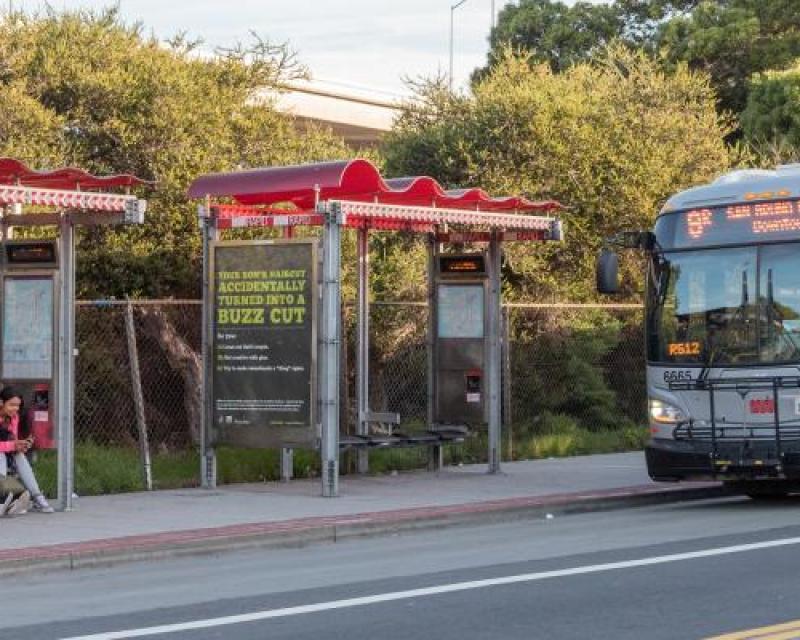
{"x":607,"y":272}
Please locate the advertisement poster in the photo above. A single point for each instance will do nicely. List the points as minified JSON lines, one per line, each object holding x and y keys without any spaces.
{"x":28,"y":328}
{"x":264,"y":342}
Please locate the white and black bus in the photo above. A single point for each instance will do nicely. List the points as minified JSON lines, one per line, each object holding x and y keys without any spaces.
{"x":723,"y":331}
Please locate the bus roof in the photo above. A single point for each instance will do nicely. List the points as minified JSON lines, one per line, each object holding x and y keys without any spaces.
{"x":744,"y":185}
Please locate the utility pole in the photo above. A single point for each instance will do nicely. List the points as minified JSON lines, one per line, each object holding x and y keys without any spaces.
{"x":452,"y":11}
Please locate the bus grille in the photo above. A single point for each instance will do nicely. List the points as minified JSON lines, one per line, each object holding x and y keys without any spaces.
{"x":716,"y":431}
{"x":737,"y":432}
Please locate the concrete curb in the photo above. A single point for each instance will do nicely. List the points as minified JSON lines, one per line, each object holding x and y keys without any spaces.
{"x":304,"y":531}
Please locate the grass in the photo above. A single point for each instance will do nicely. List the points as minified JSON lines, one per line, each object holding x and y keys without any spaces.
{"x":581,"y":442}
{"x":109,"y":469}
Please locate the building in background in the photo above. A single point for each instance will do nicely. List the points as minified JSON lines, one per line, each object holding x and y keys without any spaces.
{"x":358,"y":116}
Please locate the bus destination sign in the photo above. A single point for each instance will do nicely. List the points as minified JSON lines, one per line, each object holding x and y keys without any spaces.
{"x":746,"y":222}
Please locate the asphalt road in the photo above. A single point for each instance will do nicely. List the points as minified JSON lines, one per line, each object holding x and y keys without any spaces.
{"x":669,"y":572}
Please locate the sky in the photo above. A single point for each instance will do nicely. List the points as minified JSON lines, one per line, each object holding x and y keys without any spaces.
{"x":351,"y":44}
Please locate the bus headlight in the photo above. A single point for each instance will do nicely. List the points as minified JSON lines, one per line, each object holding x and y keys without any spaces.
{"x":664,"y":413}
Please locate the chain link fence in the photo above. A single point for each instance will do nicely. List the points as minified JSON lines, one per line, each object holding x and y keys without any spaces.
{"x":164,"y":344}
{"x":567,"y":366}
{"x":575,"y":363}
{"x":582,"y":362}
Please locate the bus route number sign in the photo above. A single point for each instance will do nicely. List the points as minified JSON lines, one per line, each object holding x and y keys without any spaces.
{"x":675,"y":349}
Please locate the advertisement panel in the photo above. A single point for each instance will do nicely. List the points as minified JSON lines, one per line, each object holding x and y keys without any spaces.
{"x":264,"y":297}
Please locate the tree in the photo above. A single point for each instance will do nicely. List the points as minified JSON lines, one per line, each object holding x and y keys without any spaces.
{"x":771,"y":120}
{"x":84,"y":89}
{"x":729,"y":39}
{"x":644,"y":18}
{"x":732,"y":40}
{"x":611,"y":140}
{"x":554,"y":32}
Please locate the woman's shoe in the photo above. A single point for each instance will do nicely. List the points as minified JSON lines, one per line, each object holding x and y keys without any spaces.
{"x":41,"y":505}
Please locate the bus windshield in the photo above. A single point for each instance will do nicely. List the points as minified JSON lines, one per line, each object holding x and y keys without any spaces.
{"x":726,"y":306}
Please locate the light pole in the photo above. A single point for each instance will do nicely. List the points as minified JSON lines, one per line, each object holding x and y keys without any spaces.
{"x":452,"y":11}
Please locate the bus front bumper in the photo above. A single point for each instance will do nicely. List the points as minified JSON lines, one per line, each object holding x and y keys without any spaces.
{"x":674,"y":460}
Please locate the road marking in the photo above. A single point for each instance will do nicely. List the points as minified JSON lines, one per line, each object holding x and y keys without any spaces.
{"x":784,"y":631}
{"x":431,"y":591}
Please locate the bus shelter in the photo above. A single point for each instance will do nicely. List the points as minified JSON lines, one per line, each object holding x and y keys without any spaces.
{"x":337,"y":196}
{"x":37,"y":290}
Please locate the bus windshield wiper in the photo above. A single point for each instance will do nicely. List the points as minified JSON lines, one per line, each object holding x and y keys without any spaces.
{"x":708,"y":361}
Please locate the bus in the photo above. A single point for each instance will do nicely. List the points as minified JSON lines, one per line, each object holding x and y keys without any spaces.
{"x":722,"y":331}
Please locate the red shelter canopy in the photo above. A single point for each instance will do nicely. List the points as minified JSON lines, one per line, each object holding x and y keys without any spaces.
{"x":352,"y":180}
{"x":86,"y":196}
{"x":16,"y":172}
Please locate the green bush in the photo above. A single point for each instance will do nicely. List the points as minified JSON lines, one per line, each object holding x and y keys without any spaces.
{"x":560,"y":366}
{"x":559,"y":436}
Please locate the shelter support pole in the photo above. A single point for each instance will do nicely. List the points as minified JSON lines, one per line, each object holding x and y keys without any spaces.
{"x":331,"y":331}
{"x":507,"y":416}
{"x":362,"y":342}
{"x":287,"y":464}
{"x":495,"y":355}
{"x":435,"y":453}
{"x":6,"y":229}
{"x":208,"y":455}
{"x":65,"y":381}
{"x":287,"y":453}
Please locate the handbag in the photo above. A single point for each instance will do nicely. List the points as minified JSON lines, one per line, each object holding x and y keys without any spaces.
{"x":10,"y":484}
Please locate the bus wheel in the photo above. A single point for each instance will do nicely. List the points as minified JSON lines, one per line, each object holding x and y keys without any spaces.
{"x":762,"y":490}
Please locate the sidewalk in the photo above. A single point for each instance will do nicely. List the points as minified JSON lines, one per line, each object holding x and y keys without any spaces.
{"x":116,"y":528}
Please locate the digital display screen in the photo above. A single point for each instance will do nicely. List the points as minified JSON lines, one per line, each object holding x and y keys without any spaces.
{"x":471,"y":264}
{"x":31,"y":253}
{"x":730,"y":224}
{"x":676,"y":349}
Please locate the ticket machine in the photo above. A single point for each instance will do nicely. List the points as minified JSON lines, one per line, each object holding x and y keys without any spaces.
{"x":460,"y":339}
{"x":28,"y":317}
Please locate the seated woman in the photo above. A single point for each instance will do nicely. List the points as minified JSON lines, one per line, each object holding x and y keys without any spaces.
{"x":13,"y":450}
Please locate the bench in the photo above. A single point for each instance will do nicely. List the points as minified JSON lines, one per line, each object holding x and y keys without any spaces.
{"x":387,"y":435}
{"x":434,"y":437}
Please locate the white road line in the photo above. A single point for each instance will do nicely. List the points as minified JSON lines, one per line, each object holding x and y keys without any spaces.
{"x":429,"y":591}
